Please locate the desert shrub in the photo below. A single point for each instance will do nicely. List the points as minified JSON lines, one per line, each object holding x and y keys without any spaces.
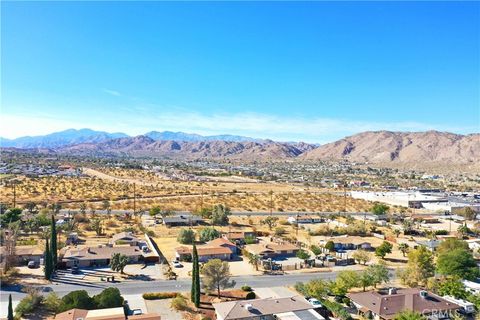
{"x":27,"y":242}
{"x":159,"y":295}
{"x":179,"y":303}
{"x":52,"y":302}
{"x":246,"y":288}
{"x":441,"y":232}
{"x":28,"y":304}
{"x":186,"y":236}
{"x":251,"y":295}
{"x":280,"y":231}
{"x":284,"y":222}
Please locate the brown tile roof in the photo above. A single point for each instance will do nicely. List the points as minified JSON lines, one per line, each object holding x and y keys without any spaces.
{"x":103,"y":252}
{"x":72,"y":314}
{"x":387,"y":306}
{"x":204,"y":251}
{"x":124,"y":234}
{"x":271,"y":247}
{"x":238,"y":309}
{"x":26,"y":250}
{"x":220,"y":242}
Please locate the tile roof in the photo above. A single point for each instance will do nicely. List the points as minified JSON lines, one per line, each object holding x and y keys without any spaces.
{"x":387,"y":306}
{"x":103,"y":252}
{"x":254,"y":308}
{"x":204,"y":250}
{"x":72,"y":314}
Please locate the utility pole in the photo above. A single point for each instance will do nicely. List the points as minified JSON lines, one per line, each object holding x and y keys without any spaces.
{"x":14,"y":194}
{"x":134,"y":200}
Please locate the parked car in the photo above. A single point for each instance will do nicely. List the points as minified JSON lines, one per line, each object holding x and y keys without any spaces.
{"x":32,"y":265}
{"x":136,"y":312}
{"x":314,"y":302}
{"x":177,"y":264}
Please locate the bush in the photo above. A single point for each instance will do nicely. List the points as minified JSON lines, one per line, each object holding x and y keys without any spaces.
{"x":108,"y":298}
{"x":337,"y":309}
{"x":28,"y":304}
{"x":159,"y":295}
{"x":179,"y":303}
{"x":441,"y":232}
{"x":208,"y":234}
{"x":279,"y":231}
{"x":250,"y":240}
{"x":246,"y":288}
{"x":251,"y":295}
{"x":186,"y":236}
{"x":52,"y":302}
{"x":78,"y":299}
{"x":346,"y":301}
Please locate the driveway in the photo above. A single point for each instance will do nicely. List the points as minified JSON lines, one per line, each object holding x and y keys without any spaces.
{"x":162,"y":307}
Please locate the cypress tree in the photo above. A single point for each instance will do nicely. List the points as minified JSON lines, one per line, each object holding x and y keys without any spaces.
{"x":10,"y":308}
{"x":194,"y":271}
{"x":48,"y":262}
{"x":196,"y":279}
{"x":54,"y":243}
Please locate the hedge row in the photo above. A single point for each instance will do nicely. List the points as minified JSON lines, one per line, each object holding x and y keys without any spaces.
{"x":159,"y":295}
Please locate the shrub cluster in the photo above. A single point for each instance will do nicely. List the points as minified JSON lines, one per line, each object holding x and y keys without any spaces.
{"x":159,"y":295}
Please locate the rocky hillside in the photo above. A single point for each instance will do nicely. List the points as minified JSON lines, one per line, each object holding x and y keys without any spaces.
{"x":402,"y":147}
{"x":142,"y":146}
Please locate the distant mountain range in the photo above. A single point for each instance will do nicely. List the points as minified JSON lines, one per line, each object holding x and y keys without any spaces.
{"x":382,"y":147}
{"x":73,"y":136}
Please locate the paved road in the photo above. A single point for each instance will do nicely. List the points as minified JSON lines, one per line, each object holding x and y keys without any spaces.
{"x":137,"y":287}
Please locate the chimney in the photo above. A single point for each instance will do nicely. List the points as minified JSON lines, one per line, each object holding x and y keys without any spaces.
{"x":392,"y":291}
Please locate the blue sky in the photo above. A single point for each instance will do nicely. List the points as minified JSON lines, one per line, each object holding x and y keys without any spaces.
{"x":312,"y":71}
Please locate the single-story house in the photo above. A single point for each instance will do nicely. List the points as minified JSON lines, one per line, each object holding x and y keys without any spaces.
{"x":238,"y":237}
{"x":102,"y":314}
{"x":204,"y":253}
{"x":182,"y":220}
{"x":304,"y":219}
{"x":266,"y":309}
{"x":99,"y":256}
{"x":125,"y":238}
{"x":25,"y":254}
{"x":386,"y":304}
{"x":429,"y":244}
{"x":350,"y":243}
{"x":219,"y":248}
{"x":272,"y":249}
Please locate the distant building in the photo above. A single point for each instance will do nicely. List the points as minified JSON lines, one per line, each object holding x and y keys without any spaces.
{"x":25,"y":254}
{"x":99,"y":256}
{"x":182,"y":220}
{"x":272,"y":249}
{"x":386,"y":304}
{"x":219,"y":248}
{"x":301,"y":219}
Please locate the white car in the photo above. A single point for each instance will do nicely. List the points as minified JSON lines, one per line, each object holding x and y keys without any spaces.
{"x":314,"y":302}
{"x":136,"y":312}
{"x":177,"y":264}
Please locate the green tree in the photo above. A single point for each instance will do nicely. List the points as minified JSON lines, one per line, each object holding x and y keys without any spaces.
{"x":379,"y":273}
{"x":317,"y":288}
{"x":31,"y":207}
{"x":403,"y":247}
{"x":270,"y":222}
{"x":48,"y":269}
{"x":458,"y":262}
{"x":11,"y":215}
{"x":216,"y":275}
{"x":195,"y":294}
{"x":220,"y":215}
{"x":452,"y":286}
{"x":384,"y":249}
{"x":419,"y":268}
{"x":451,"y":244}
{"x":316,"y":250}
{"x":52,"y":302}
{"x":78,"y":299}
{"x":96,"y":225}
{"x":155,"y":211}
{"x":303,"y":254}
{"x":330,"y":246}
{"x":186,"y":236}
{"x":208,"y":234}
{"x":118,"y":262}
{"x":409,"y":315}
{"x":365,"y":279}
{"x":10,"y":308}
{"x":253,"y":259}
{"x":346,"y":280}
{"x":53,"y":243}
{"x":106,"y":206}
{"x":379,"y":209}
{"x":108,"y":298}
{"x":362,"y":256}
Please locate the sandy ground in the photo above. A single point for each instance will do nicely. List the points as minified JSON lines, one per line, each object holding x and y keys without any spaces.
{"x":162,"y":307}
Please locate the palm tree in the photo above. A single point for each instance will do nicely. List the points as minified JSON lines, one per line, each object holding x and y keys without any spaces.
{"x":254,"y":260}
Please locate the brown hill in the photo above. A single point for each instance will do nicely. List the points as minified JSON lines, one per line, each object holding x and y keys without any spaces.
{"x":142,"y":146}
{"x":402,"y":147}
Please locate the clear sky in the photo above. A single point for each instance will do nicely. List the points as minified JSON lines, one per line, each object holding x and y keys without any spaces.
{"x":312,"y":71}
